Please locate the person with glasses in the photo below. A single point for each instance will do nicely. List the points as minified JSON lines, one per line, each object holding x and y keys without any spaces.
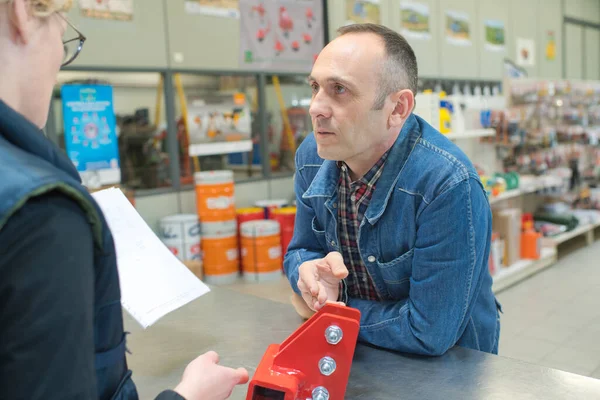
{"x":61,"y":324}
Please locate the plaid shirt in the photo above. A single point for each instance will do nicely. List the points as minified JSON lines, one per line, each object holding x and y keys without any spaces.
{"x":354,"y":198}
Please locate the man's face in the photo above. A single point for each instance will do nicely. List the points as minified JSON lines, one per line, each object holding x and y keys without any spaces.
{"x":345,"y":82}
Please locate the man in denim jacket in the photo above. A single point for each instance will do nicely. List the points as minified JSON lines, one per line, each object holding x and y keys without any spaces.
{"x":391,"y":216}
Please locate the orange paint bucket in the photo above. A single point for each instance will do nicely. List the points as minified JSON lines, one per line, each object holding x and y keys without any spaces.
{"x":261,"y":250}
{"x":245,"y":215}
{"x":220,"y":255}
{"x":215,"y":196}
{"x":286,"y":217}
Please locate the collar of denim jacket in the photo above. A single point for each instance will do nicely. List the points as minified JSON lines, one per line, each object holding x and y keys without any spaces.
{"x":325,"y":183}
{"x":397,"y":158}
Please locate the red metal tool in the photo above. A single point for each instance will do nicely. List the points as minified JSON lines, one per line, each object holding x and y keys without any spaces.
{"x":313,"y":363}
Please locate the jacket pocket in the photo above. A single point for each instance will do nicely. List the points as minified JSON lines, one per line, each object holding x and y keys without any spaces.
{"x":126,"y":389}
{"x":319,"y":233}
{"x":317,"y":230}
{"x":396,"y":275}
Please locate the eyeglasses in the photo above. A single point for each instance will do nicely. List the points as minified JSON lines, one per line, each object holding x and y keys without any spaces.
{"x":72,"y":46}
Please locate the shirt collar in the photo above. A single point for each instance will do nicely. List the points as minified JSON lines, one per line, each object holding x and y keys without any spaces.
{"x":326,"y":181}
{"x":371,"y":176}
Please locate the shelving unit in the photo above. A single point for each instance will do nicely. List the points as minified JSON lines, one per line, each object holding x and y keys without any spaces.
{"x":210,"y":149}
{"x":471,"y":134}
{"x":511,"y":194}
{"x":523,"y":269}
{"x":587,"y":230}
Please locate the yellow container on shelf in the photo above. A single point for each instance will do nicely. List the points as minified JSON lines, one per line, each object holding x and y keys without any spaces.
{"x":445,"y":114}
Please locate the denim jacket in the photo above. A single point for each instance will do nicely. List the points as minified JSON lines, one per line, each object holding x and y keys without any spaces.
{"x":425,"y":241}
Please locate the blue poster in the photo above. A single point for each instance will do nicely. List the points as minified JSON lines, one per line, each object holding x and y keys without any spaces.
{"x":90,"y":135}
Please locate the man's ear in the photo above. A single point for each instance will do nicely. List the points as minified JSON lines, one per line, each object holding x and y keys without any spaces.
{"x":404,"y":102}
{"x":20,"y":21}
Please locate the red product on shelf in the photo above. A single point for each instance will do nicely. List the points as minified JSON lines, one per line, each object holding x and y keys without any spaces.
{"x":530,"y":239}
{"x":525,"y":218}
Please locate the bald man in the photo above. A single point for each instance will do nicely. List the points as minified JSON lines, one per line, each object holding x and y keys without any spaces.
{"x":392,"y":218}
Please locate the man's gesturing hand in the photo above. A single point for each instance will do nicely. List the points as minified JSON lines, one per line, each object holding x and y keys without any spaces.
{"x":319,"y":280}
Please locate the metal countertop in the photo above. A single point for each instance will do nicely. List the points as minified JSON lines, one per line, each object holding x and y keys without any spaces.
{"x":240,"y":327}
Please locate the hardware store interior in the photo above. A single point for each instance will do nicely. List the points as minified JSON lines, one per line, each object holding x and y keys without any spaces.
{"x":198,"y":117}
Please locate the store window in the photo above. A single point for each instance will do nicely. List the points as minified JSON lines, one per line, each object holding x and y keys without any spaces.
{"x":221,"y":116}
{"x":113,"y":127}
{"x":288,"y":121}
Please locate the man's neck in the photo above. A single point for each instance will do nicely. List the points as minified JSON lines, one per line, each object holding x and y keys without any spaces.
{"x":362,"y":163}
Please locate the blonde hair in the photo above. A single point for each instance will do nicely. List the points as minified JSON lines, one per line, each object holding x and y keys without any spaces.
{"x":44,"y":8}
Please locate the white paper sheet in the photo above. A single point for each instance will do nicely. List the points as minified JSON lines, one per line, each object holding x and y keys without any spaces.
{"x":153,"y":281}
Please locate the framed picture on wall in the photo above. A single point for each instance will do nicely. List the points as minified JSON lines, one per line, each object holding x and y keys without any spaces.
{"x":414,"y":18}
{"x":363,"y":11}
{"x":215,"y":8}
{"x":120,"y":10}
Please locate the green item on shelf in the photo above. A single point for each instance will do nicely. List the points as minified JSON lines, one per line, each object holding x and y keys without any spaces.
{"x":567,"y":220}
{"x":514,"y":179}
{"x":511,"y":179}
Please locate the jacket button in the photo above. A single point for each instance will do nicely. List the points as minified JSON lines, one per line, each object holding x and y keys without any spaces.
{"x":333,"y":243}
{"x":371,"y":259}
{"x":334,"y":205}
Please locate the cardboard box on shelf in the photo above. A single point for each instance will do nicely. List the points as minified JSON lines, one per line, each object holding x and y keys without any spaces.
{"x":195,"y":267}
{"x":508,"y":224}
{"x":496,"y":254}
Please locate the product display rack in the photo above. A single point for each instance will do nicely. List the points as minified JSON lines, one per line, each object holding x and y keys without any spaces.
{"x":514,"y":193}
{"x":471,"y":134}
{"x":172,"y":144}
{"x":550,"y":116}
{"x":587,"y":230}
{"x":523,"y":269}
{"x":209,"y":149}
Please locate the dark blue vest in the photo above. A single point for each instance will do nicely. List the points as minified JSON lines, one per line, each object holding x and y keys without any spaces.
{"x":30,"y":165}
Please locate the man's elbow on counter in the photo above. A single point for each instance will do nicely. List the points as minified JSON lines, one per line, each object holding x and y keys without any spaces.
{"x":413,"y":343}
{"x":433,"y":350}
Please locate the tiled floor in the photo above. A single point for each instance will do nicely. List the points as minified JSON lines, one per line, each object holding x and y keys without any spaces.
{"x":551,"y":319}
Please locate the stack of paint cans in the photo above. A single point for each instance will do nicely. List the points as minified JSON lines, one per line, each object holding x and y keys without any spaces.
{"x":216,"y":209}
{"x":261,"y":250}
{"x":181,"y":234}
